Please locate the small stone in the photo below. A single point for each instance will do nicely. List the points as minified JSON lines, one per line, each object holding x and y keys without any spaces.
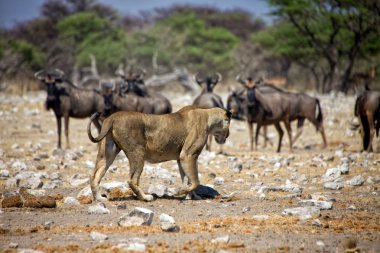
{"x":121,"y":206}
{"x":356,"y":181}
{"x":333,"y":186}
{"x":317,"y":223}
{"x":221,"y":239}
{"x":303,"y":212}
{"x":13,"y":245}
{"x":323,"y":205}
{"x":100,"y":208}
{"x":352,"y":207}
{"x":71,"y":201}
{"x":320,"y":244}
{"x":157,"y":190}
{"x":4,"y":173}
{"x":139,"y":216}
{"x":260,"y":217}
{"x":238,"y":168}
{"x":219,"y":181}
{"x":167,"y":223}
{"x":96,"y":236}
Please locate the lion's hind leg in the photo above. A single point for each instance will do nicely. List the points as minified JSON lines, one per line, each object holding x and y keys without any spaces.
{"x":107,"y":152}
{"x":136,"y":164}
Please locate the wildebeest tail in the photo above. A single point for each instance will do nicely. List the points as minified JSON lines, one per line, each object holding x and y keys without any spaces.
{"x":107,"y":124}
{"x":320,"y":114}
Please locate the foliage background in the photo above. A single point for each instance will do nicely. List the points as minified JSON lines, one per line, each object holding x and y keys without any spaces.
{"x":314,"y":44}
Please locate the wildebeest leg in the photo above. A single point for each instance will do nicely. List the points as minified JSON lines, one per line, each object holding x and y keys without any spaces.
{"x":322,"y":130}
{"x":250,"y":132}
{"x":300,"y":122}
{"x":258,"y":127}
{"x":59,"y":128}
{"x":107,"y":151}
{"x":66,"y":120}
{"x":371,"y":131}
{"x":280,"y":134}
{"x":364,"y":131}
{"x":265,"y":136}
{"x":136,"y":164}
{"x":289,"y":130}
{"x":189,"y":167}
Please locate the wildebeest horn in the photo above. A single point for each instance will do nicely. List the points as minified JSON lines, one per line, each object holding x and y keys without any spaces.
{"x":196,"y":78}
{"x":219,"y":77}
{"x":120,"y":71}
{"x":60,"y":72}
{"x":240,"y":80}
{"x":39,"y":73}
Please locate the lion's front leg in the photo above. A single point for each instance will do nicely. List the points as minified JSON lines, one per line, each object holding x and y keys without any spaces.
{"x":188,"y":167}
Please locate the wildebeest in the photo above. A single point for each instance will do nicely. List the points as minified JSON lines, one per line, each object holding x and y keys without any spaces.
{"x":67,"y":100}
{"x":130,"y":94}
{"x":294,"y":106}
{"x":367,"y":108}
{"x":207,"y":98}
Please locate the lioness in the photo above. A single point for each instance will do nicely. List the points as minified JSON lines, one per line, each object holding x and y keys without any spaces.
{"x":177,"y":136}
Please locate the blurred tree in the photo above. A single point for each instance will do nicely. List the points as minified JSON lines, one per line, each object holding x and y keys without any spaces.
{"x":19,"y":58}
{"x":191,"y":43}
{"x":239,"y":22}
{"x":338,"y":30}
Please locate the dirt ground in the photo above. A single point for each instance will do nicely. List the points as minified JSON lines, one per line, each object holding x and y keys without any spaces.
{"x":352,"y":225}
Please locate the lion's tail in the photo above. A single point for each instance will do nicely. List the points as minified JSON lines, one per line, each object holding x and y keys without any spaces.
{"x":107,"y":124}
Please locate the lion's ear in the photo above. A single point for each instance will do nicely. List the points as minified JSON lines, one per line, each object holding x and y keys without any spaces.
{"x":229,"y":113}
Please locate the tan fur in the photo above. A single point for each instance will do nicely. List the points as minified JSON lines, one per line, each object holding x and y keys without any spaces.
{"x":177,"y":136}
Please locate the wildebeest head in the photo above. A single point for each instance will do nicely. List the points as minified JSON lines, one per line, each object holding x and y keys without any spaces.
{"x":210,"y":81}
{"x":50,"y":78}
{"x":132,"y":82}
{"x":235,"y":102}
{"x":108,"y":89}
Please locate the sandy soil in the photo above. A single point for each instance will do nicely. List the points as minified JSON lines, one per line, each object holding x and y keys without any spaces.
{"x":352,"y":225}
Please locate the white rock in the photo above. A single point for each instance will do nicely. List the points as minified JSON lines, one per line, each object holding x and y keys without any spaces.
{"x":90,"y":164}
{"x":158,"y":190}
{"x":167,"y":223}
{"x":33,"y":183}
{"x":29,"y":251}
{"x":96,"y":236}
{"x":218,"y":181}
{"x":19,"y":165}
{"x":320,"y":244}
{"x":13,"y":245}
{"x":136,"y":247}
{"x":71,"y":201}
{"x":79,"y":179}
{"x":303,"y":212}
{"x":139,"y":216}
{"x":85,"y":192}
{"x":333,"y":185}
{"x":356,"y":181}
{"x":260,"y":217}
{"x":98,"y":209}
{"x":221,"y":239}
{"x":37,"y":193}
{"x":4,"y":173}
{"x":323,"y":205}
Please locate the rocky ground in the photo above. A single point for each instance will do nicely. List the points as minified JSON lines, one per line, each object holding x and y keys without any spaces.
{"x":311,"y":200}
